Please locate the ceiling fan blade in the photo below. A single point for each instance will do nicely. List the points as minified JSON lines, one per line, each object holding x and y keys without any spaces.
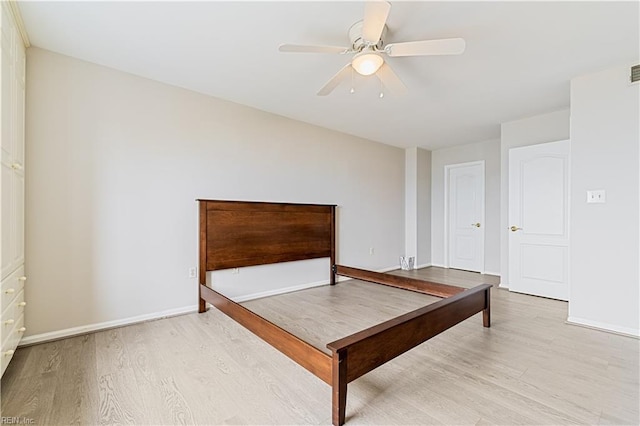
{"x":390,"y":80}
{"x":375,"y":17}
{"x":446,"y":46}
{"x":301,"y":48}
{"x":335,"y":80}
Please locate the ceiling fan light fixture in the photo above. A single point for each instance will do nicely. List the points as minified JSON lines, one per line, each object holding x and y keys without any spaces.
{"x":367,"y":63}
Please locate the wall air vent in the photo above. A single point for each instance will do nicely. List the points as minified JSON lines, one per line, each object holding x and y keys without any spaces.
{"x":635,"y":73}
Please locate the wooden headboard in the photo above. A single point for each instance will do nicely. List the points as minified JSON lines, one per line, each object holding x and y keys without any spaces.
{"x":234,"y":234}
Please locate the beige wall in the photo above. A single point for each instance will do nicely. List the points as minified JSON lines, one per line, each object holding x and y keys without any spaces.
{"x":115,"y":163}
{"x":418,"y":206}
{"x":423,"y":228}
{"x":489,"y":152}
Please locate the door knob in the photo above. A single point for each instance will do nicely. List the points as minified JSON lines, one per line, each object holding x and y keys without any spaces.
{"x":515,"y":228}
{"x":477,"y":225}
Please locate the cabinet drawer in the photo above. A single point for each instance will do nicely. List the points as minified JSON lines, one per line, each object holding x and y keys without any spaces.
{"x":19,"y":305}
{"x":11,"y":343}
{"x":11,"y":287}
{"x":10,"y":315}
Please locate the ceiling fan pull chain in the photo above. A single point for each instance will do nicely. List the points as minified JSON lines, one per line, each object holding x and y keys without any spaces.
{"x":353,"y":84}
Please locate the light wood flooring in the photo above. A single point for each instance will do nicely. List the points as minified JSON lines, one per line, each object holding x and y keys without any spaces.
{"x":528,"y":368}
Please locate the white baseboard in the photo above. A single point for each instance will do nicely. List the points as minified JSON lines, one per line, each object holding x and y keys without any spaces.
{"x":424,"y":265}
{"x":397,"y":268}
{"x":84,"y":329}
{"x":437,"y":265}
{"x":611,"y":328}
{"x":285,"y":290}
{"x":389,"y":269}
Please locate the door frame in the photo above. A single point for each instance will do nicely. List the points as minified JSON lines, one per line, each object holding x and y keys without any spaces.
{"x":447,"y":191}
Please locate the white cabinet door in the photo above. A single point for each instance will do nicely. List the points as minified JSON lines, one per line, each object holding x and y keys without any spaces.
{"x":539,"y":220}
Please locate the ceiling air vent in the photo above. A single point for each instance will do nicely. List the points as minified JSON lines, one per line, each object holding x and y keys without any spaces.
{"x":635,"y":73}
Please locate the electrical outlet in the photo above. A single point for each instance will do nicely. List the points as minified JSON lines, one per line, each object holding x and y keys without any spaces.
{"x":598,"y":196}
{"x":235,"y":270}
{"x":371,"y":251}
{"x":193,"y":272}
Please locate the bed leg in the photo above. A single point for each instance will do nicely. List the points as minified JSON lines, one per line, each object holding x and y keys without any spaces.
{"x":202,"y":304}
{"x":486,"y":312}
{"x":339,"y":388}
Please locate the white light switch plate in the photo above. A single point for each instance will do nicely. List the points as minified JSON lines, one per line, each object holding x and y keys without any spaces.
{"x":596,"y":196}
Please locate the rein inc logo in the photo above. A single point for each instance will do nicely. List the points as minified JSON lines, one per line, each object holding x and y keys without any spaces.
{"x":17,"y":421}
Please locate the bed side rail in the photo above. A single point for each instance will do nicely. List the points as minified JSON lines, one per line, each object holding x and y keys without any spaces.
{"x":309,"y":357}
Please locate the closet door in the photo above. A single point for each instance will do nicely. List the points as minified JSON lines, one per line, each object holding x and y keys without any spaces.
{"x":7,"y":97}
{"x":18,"y":150}
{"x":7,"y":229}
{"x":12,"y":95}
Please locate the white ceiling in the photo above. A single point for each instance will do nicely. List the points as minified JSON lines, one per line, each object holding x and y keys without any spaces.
{"x":519,"y":59}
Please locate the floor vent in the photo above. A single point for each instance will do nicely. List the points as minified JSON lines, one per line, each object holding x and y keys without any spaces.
{"x":635,"y":73}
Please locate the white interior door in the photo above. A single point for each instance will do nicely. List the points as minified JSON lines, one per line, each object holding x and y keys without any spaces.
{"x":465,"y":189}
{"x":539,"y":220}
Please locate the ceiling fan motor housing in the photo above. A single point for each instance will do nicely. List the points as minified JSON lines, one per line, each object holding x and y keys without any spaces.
{"x":358,"y":43}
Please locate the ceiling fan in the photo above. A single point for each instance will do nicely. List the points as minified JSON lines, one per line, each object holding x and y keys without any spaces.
{"x":368,"y":46}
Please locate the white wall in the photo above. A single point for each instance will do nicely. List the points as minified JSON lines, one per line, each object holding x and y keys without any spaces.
{"x":550,"y":127}
{"x":115,"y":163}
{"x":605,"y":138}
{"x":489,"y":151}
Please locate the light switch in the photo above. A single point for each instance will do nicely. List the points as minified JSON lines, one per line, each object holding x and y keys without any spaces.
{"x":596,"y":196}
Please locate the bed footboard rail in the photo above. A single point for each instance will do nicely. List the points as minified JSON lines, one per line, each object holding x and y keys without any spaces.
{"x":366,"y":350}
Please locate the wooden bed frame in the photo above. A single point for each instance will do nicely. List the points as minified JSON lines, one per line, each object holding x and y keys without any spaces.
{"x":234,"y":234}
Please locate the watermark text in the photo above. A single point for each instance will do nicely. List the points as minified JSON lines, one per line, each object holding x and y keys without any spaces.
{"x":16,"y":420}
